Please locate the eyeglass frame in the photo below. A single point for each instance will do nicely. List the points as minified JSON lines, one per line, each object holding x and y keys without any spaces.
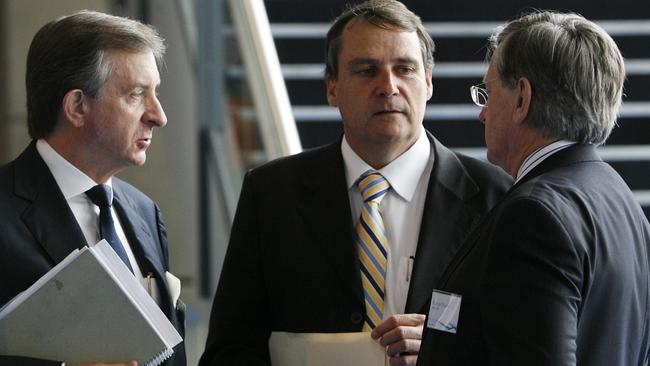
{"x":477,"y":90}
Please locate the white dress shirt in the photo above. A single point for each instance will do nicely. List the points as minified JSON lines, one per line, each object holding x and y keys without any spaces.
{"x":73,"y":184}
{"x":401,"y":210}
{"x":540,"y":155}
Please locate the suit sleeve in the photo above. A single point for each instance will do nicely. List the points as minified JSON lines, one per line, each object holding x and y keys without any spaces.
{"x":239,"y":324}
{"x":531,"y":294}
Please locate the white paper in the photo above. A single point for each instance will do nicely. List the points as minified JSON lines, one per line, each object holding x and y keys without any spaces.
{"x":21,"y":297}
{"x":444,"y":311}
{"x":123,"y":276}
{"x":326,"y":349}
{"x":174,"y":286}
{"x":89,"y":307}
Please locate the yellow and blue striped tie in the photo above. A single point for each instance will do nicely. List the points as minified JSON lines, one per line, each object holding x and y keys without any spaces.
{"x":372,"y":246}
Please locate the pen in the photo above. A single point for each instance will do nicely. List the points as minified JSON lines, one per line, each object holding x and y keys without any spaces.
{"x":409,"y":267}
{"x":149,"y":276}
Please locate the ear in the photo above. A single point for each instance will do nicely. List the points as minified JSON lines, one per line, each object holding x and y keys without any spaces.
{"x":428,"y":74}
{"x":331,"y":91}
{"x":524,"y":98}
{"x":74,"y":107}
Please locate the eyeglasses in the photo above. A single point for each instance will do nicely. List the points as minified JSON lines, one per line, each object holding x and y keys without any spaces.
{"x":479,"y":94}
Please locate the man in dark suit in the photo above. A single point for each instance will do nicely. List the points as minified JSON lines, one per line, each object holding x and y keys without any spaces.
{"x":558,"y":273}
{"x":295,"y":260}
{"x":92,"y":107}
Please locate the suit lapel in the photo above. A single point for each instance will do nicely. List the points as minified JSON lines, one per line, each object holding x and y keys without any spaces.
{"x":325,"y":210}
{"x":139,"y":235}
{"x":48,"y":216}
{"x":142,"y":242}
{"x":445,"y":222}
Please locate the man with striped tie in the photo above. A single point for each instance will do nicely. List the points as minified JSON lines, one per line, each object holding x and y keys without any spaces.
{"x":353,"y":236}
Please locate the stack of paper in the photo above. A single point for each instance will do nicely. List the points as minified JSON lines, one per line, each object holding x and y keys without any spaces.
{"x":88,"y":308}
{"x":326,"y":349}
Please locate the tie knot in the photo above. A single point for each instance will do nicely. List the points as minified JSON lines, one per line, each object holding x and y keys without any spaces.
{"x":373,"y":186}
{"x":101,"y":195}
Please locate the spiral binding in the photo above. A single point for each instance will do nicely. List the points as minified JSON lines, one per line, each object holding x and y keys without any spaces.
{"x":159,"y":358}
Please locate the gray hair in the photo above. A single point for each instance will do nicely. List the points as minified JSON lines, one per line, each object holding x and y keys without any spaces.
{"x":72,"y":52}
{"x":387,"y":14}
{"x":575,"y":69}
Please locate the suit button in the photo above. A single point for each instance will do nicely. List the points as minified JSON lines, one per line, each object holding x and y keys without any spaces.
{"x":356,"y":318}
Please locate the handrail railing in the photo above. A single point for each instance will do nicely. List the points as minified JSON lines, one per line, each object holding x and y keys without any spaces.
{"x":271,"y":100}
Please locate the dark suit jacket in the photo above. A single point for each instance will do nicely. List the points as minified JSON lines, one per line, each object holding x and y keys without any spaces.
{"x":556,"y":275}
{"x":292,"y":265}
{"x":39,"y":230}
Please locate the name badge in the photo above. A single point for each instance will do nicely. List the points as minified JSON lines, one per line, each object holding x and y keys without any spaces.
{"x":444,"y":310}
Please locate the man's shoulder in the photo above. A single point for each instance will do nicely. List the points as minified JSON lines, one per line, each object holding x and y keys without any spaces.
{"x":25,"y":170}
{"x":128,"y":191}
{"x":26,"y":157}
{"x":303,"y":162}
{"x":6,"y":173}
{"x":484,"y":173}
{"x":11,"y":200}
{"x":454,"y":168}
{"x":483,"y":169}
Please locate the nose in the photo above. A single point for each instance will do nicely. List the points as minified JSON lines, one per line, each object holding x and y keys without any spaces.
{"x":387,"y":84}
{"x":155,"y":114}
{"x":481,"y":116}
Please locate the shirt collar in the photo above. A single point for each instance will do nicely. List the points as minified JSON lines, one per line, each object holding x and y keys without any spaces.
{"x":540,"y":155}
{"x":70,"y":179}
{"x":403,"y":173}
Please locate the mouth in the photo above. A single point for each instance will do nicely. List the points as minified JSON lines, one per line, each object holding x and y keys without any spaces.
{"x":143,"y":143}
{"x":385,"y":112}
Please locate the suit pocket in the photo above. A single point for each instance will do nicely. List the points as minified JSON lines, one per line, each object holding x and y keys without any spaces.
{"x":180,"y":317}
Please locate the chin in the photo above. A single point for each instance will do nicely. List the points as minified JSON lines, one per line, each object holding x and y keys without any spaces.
{"x":391,"y":118}
{"x":138,"y":160}
{"x":391,"y":129}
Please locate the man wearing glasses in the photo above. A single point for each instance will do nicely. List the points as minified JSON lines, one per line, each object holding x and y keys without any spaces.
{"x":301,"y":259}
{"x":558,"y":273}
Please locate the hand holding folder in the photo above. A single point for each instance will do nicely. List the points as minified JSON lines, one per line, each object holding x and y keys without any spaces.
{"x":326,"y":349}
{"x":89,"y":307}
{"x":132,"y":363}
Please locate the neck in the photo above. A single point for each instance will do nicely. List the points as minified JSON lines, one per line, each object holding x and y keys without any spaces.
{"x":76,"y":155}
{"x":526,"y":147}
{"x":378,"y":158}
{"x":378,"y":155}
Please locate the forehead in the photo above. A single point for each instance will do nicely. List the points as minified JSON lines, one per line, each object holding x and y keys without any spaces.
{"x":361,"y":39}
{"x":132,"y":66}
{"x":492,"y":71}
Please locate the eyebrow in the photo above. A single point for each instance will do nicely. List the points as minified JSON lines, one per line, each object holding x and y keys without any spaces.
{"x":146,"y":86}
{"x":373,"y":61}
{"x":407,"y":60}
{"x":361,"y":61}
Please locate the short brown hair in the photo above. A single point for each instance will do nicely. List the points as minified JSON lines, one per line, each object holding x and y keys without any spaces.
{"x":574,"y":67}
{"x":71,"y":53}
{"x":388,"y":14}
